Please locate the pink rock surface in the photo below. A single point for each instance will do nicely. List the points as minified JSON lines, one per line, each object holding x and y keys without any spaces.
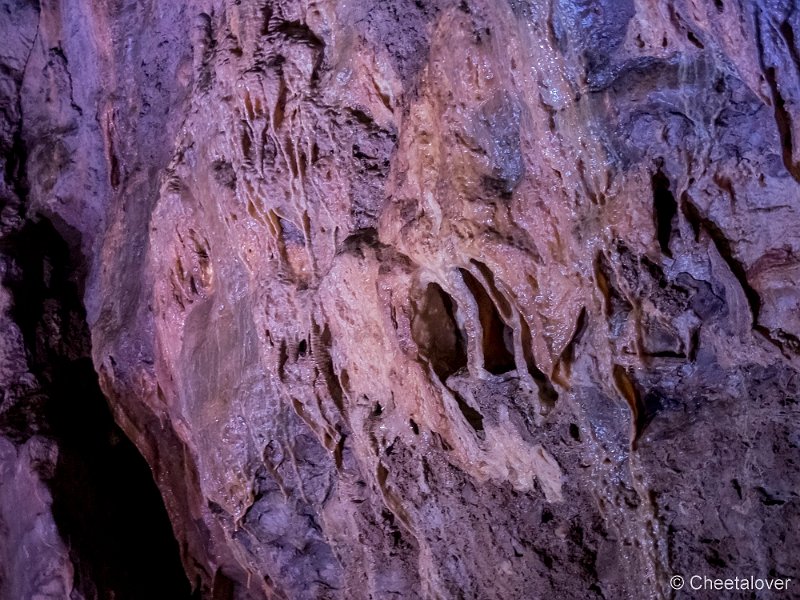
{"x":438,"y":299}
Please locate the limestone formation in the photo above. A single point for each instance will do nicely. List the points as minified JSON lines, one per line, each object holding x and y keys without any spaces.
{"x":402,"y":298}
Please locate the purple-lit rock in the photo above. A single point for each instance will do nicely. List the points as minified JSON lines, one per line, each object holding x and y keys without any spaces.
{"x":409,"y":299}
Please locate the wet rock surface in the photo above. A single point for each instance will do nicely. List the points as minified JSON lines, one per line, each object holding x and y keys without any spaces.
{"x":439,"y":299}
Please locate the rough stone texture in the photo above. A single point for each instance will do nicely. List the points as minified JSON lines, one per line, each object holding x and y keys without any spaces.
{"x":439,"y":299}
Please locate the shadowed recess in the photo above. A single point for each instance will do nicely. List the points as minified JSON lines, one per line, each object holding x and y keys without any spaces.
{"x":105,"y":501}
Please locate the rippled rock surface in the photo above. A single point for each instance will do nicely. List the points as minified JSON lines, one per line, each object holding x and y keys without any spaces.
{"x":399,"y":299}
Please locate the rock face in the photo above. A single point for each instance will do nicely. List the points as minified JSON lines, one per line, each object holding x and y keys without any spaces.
{"x":402,"y":299}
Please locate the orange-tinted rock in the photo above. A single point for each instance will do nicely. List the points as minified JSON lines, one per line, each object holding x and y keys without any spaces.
{"x":439,"y":298}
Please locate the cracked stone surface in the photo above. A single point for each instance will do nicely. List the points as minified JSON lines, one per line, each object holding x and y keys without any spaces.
{"x":411,"y":299}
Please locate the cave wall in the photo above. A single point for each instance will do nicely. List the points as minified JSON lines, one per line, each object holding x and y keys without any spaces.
{"x":441,"y":299}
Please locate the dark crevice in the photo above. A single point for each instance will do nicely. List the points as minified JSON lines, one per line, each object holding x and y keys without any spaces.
{"x":680,"y":23}
{"x":694,"y":345}
{"x":548,"y":396}
{"x":106,"y":505}
{"x":280,"y":103}
{"x":664,"y":210}
{"x":567,"y":358}
{"x":436,"y":332}
{"x":498,"y":354}
{"x":694,"y":40}
{"x":321,"y":343}
{"x":737,"y":487}
{"x":653,"y":402}
{"x":788,"y":36}
{"x":296,"y":31}
{"x":283,"y":357}
{"x":768,"y":499}
{"x":114,"y":170}
{"x":783,"y":120}
{"x":699,"y":223}
{"x":630,"y":393}
{"x":666,"y":354}
{"x":223,"y":587}
{"x":500,"y":299}
{"x":472,"y":416}
{"x":248,"y":152}
{"x":359,"y":239}
{"x":617,"y":307}
{"x":266,"y":18}
{"x":105,"y":502}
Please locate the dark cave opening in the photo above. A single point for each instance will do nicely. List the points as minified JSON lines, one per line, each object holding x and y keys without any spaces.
{"x":437,"y":333}
{"x":665,"y":208}
{"x":106,"y":505}
{"x":498,"y":348}
{"x":105,"y":501}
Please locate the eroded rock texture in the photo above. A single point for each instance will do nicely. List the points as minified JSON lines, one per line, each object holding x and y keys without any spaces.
{"x":413,"y":299}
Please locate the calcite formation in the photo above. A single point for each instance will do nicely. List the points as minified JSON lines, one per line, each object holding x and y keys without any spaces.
{"x":411,"y":298}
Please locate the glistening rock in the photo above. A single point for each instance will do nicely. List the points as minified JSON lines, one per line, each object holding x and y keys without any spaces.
{"x":440,"y":299}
